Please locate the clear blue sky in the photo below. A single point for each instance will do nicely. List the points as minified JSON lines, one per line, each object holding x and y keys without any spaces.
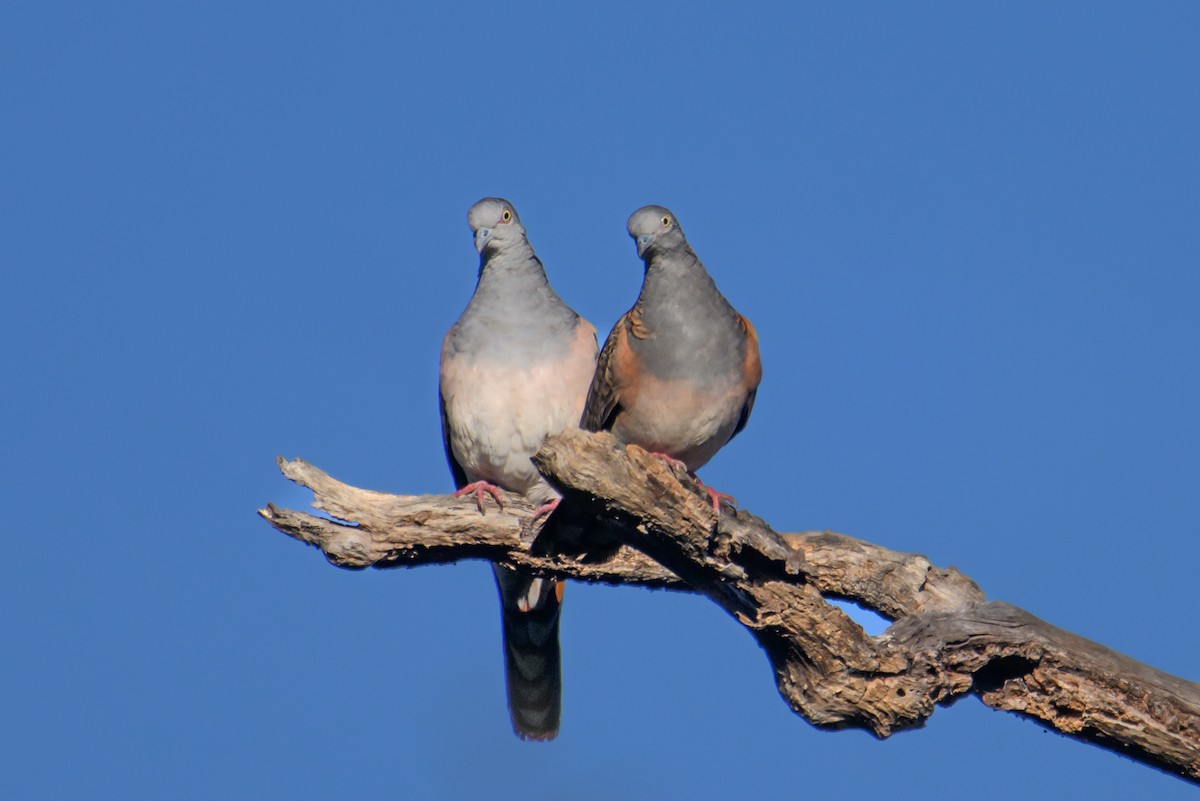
{"x":967,"y":235}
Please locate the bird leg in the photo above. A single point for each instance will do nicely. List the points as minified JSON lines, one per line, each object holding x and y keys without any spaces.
{"x":716,"y":497}
{"x":672,"y":462}
{"x":479,"y":488}
{"x":545,"y":509}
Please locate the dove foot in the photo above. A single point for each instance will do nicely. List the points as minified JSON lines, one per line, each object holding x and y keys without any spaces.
{"x":672,"y":462}
{"x":716,"y":497}
{"x":545,"y":509}
{"x":479,"y":488}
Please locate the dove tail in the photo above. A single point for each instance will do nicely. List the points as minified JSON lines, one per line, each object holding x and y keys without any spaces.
{"x":529,"y":609}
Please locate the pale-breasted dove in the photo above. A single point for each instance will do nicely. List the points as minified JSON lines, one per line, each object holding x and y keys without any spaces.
{"x":515,"y":368}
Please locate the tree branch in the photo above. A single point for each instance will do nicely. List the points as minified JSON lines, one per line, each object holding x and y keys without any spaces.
{"x":627,"y":518}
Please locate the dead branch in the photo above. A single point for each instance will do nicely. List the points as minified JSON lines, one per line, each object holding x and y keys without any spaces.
{"x":627,"y":518}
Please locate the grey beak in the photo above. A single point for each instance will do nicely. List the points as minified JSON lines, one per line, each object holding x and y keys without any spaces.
{"x":482,"y":237}
{"x":643,"y":242}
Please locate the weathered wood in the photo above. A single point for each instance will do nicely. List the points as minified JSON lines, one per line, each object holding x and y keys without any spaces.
{"x":375,"y":529}
{"x":627,"y":518}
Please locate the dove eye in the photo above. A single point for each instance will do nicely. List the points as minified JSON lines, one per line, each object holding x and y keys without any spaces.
{"x":666,"y":221}
{"x":507,"y":215}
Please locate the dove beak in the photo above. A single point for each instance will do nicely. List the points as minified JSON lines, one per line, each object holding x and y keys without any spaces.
{"x":643,"y":242}
{"x":482,"y":237}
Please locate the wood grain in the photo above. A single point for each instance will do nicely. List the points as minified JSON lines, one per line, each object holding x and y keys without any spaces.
{"x":626,"y":518}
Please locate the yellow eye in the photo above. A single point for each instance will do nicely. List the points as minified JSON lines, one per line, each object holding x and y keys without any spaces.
{"x":507,"y":215}
{"x":666,"y":221}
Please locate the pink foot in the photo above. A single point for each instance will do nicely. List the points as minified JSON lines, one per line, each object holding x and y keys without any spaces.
{"x":716,"y":497}
{"x":671,"y":461}
{"x":545,"y":509}
{"x":479,"y":488}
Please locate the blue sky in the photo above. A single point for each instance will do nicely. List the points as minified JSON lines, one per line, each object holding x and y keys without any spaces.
{"x":967,"y":236}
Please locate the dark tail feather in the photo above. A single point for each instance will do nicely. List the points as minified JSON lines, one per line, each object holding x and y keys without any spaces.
{"x":532,"y":665}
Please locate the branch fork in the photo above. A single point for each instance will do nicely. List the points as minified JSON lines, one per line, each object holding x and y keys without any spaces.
{"x":625,"y":518}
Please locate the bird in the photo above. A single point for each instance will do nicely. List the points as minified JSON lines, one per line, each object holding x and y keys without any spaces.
{"x":515,"y":367}
{"x":679,"y":371}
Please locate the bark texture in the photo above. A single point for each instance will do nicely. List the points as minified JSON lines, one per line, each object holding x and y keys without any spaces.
{"x":627,"y":518}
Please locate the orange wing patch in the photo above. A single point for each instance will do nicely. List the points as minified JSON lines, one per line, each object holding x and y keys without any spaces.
{"x":602,"y":397}
{"x":636,"y":327}
{"x":752,"y":362}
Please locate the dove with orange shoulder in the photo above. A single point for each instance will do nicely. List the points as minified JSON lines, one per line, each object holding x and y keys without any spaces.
{"x":680,"y":370}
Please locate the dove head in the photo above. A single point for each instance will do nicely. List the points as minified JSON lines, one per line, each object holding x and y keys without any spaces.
{"x":495,"y":223}
{"x":655,"y":228}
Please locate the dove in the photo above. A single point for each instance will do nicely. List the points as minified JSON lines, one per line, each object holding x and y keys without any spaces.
{"x":680,"y":370}
{"x":515,"y":368}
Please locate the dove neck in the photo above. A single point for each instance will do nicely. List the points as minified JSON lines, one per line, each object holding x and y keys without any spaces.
{"x":512,"y":269}
{"x":676,"y":274}
{"x":677,"y":292}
